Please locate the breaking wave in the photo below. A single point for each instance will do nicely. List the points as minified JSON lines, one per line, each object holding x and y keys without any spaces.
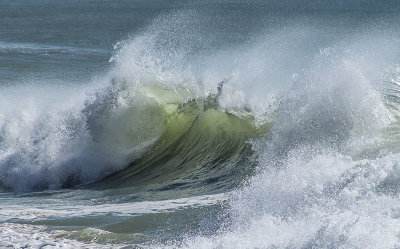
{"x":300,"y":124}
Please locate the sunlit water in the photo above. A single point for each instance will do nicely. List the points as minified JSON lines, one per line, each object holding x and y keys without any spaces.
{"x":215,"y":124}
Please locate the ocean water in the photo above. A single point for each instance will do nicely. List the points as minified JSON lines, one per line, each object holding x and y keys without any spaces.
{"x":199,"y":124}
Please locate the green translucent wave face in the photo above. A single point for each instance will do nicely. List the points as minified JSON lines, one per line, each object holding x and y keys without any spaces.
{"x":202,"y":150}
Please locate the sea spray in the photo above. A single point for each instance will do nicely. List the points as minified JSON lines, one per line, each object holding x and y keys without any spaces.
{"x":217,"y":124}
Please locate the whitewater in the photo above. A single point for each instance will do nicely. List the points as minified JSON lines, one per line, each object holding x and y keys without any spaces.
{"x":185,"y":124}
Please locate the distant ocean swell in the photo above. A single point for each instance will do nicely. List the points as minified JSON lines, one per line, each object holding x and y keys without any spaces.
{"x":289,"y":140}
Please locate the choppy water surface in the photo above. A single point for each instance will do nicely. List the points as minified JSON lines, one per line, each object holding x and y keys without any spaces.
{"x":186,"y":124}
